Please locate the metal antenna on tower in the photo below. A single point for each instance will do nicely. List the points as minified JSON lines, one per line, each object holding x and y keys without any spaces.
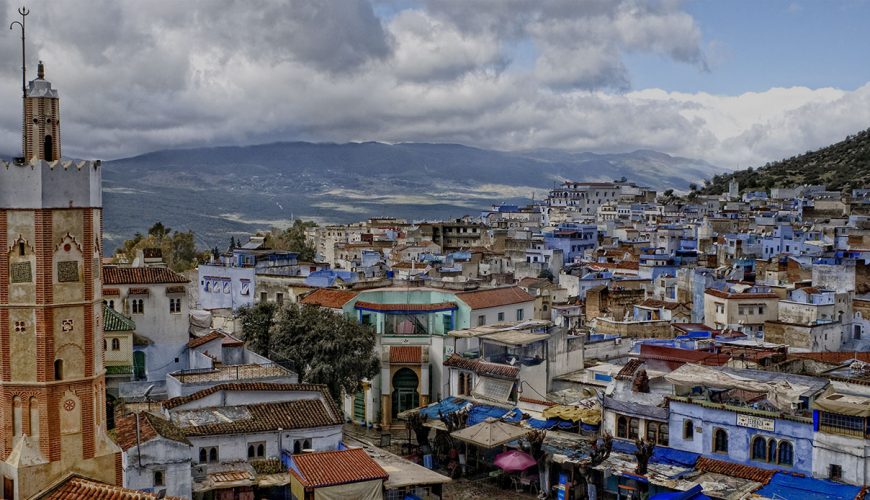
{"x":23,"y":11}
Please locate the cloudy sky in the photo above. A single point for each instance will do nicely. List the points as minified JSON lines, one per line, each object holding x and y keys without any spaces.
{"x":736,"y":83}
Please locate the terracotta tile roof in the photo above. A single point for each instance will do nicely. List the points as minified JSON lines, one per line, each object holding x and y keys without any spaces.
{"x":113,"y":275}
{"x":231,"y":476}
{"x":484,"y":368}
{"x":111,"y":292}
{"x":175,"y":289}
{"x":682,"y":356}
{"x":150,"y":426}
{"x":205,"y":339}
{"x":411,"y":354}
{"x":78,"y":488}
{"x":247,"y":386}
{"x":439,"y":306}
{"x":113,"y":321}
{"x":727,"y":295}
{"x":495,"y":297}
{"x":299,"y":414}
{"x":832,"y":357}
{"x":734,"y":470}
{"x":329,"y":468}
{"x":628,"y":369}
{"x":332,"y":299}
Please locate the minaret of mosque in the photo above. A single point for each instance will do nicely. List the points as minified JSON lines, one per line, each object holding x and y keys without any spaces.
{"x":41,"y":126}
{"x":52,"y":378}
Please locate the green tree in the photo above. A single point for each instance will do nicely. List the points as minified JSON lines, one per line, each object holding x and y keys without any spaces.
{"x":324,"y":347}
{"x":178,"y":248}
{"x":293,"y":239}
{"x":159,"y":231}
{"x":257,"y":322}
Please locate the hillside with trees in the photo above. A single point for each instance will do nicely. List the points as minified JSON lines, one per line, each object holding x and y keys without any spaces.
{"x":841,"y":166}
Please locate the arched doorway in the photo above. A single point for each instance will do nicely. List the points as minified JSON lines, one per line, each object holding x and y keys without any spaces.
{"x":405,"y":396}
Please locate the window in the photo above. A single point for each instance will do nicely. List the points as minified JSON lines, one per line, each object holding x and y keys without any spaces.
{"x":519,"y":314}
{"x":279,"y":298}
{"x":138,"y":306}
{"x":652,"y":432}
{"x":297,"y":447}
{"x":633,"y":428}
{"x":688,"y":430}
{"x":622,"y":427}
{"x":481,"y":320}
{"x":264,"y":297}
{"x":786,"y":453}
{"x":116,"y":345}
{"x":720,"y":308}
{"x":835,"y":472}
{"x":158,"y":478}
{"x":771,"y":450}
{"x":720,"y":441}
{"x":58,"y":369}
{"x":208,"y":454}
{"x":256,"y":450}
{"x":174,"y":306}
{"x":842,"y":424}
{"x":664,"y":435}
{"x":104,"y":345}
{"x":501,"y":316}
{"x":759,"y":448}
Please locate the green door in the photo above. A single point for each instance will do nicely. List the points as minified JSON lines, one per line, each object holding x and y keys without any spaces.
{"x":405,"y":396}
{"x":359,"y":407}
{"x":139,"y":365}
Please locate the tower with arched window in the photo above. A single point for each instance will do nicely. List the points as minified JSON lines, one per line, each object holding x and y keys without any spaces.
{"x":52,"y":376}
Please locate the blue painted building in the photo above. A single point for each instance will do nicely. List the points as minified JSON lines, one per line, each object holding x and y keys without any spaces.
{"x":573,"y":239}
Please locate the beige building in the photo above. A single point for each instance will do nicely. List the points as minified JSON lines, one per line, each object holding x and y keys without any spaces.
{"x":52,"y":378}
{"x":746,"y":311}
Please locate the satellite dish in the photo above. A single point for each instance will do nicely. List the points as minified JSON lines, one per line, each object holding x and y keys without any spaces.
{"x":148,"y":390}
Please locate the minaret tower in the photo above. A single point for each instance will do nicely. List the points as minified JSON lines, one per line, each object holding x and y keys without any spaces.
{"x":52,"y":379}
{"x":41,"y":127}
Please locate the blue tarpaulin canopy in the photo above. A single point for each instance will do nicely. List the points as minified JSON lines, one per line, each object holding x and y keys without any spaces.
{"x":670,"y":456}
{"x":479,"y":413}
{"x":783,"y":485}
{"x":445,"y":406}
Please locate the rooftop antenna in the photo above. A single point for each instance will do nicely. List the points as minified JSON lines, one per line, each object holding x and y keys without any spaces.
{"x":23,"y":11}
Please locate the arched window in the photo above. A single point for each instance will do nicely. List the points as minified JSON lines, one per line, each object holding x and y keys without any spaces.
{"x":633,"y":428}
{"x":203,"y":456}
{"x":462,"y":384}
{"x":759,"y":448}
{"x":250,"y":451}
{"x":663,"y":435}
{"x":21,"y":249}
{"x":104,"y":344}
{"x":213,"y":455}
{"x":856,"y":334}
{"x":622,"y":427}
{"x":688,"y":429}
{"x":261,"y":450}
{"x":652,"y":432}
{"x":116,"y":345}
{"x":720,"y":441}
{"x":297,"y":447}
{"x":58,"y":369}
{"x":16,"y":416}
{"x":786,"y":453}
{"x":112,"y":304}
{"x":771,"y":450}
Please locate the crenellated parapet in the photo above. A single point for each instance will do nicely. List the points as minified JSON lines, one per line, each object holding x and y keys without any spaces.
{"x":57,"y":184}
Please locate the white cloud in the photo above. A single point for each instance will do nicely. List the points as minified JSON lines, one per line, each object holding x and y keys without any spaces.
{"x":139,"y":76}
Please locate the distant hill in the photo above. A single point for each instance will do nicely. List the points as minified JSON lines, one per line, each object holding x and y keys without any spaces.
{"x":844,"y":165}
{"x":219,"y":191}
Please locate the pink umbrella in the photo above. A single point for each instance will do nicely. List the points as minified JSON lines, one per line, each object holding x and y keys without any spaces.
{"x":514,"y":461}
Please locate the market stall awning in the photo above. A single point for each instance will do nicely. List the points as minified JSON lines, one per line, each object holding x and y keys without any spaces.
{"x":490,"y":433}
{"x":591,"y":416}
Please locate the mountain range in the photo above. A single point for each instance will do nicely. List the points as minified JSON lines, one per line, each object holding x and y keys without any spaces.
{"x":222,"y":191}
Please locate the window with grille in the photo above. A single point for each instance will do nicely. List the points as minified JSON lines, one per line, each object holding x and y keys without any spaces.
{"x":720,"y":441}
{"x":841,"y":424}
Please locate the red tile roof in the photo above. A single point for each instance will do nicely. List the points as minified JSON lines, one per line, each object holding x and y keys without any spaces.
{"x":113,"y":275}
{"x":484,"y":368}
{"x":150,"y":426}
{"x":246,"y":386}
{"x":78,"y":488}
{"x":111,"y":292}
{"x":331,"y":299}
{"x":205,"y":339}
{"x":495,"y":297}
{"x":628,"y":369}
{"x":832,"y":357}
{"x":734,"y":470}
{"x":329,"y":468}
{"x":682,"y":356}
{"x":440,"y":306}
{"x":411,"y":355}
{"x":298,"y":414}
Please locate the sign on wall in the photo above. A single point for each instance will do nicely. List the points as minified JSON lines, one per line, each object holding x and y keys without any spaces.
{"x":765,"y":424}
